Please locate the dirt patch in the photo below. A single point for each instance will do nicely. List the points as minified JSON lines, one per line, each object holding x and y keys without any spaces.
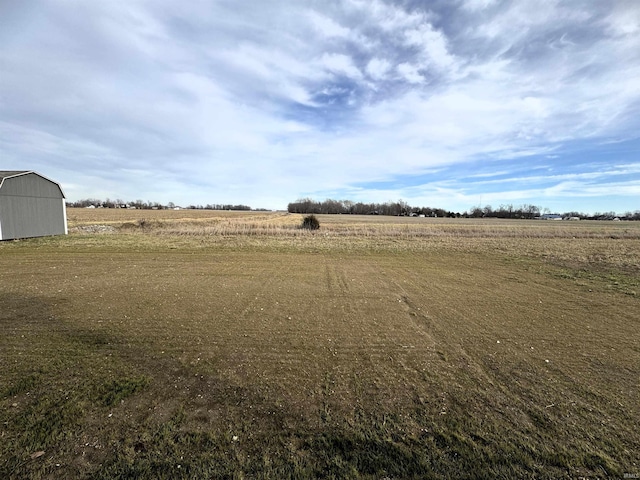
{"x":93,"y":229}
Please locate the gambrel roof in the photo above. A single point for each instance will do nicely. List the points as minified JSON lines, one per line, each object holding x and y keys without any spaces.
{"x":12,"y":173}
{"x":16,"y":173}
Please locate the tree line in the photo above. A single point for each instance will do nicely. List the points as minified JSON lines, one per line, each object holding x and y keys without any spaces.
{"x":307,"y":205}
{"x":402,"y":208}
{"x":142,"y":205}
{"x":393,"y":208}
{"x":528,"y":211}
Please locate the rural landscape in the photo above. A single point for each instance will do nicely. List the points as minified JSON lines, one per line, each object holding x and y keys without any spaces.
{"x":225,"y":344}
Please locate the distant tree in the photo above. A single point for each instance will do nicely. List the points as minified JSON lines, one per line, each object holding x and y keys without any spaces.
{"x":347,"y":206}
{"x":530,"y":211}
{"x":400,"y":207}
{"x":476,"y":212}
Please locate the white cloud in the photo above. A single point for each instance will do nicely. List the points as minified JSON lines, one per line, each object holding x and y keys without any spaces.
{"x":433,"y":45}
{"x":378,"y":68}
{"x":475,"y":5}
{"x":624,"y":19}
{"x":326,"y":26}
{"x":410,"y":73}
{"x":340,"y":64}
{"x":389,"y":17}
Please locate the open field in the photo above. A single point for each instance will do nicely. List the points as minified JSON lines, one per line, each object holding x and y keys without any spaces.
{"x":199,"y":344}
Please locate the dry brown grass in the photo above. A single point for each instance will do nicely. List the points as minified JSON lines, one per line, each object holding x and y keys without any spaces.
{"x":568,"y":243}
{"x":208,"y":222}
{"x":118,"y":216}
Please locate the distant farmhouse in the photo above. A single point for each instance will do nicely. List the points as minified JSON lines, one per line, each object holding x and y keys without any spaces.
{"x":31,"y":205}
{"x":551,"y":216}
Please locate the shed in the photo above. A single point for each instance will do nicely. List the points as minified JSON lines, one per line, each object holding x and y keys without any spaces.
{"x":31,"y":205}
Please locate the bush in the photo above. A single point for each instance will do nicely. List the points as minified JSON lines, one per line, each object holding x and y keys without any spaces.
{"x":310,"y":222}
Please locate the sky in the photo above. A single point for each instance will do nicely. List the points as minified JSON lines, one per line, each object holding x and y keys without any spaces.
{"x":447,"y":103}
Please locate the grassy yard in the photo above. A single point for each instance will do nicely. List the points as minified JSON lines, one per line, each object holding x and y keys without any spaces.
{"x":194,"y":344}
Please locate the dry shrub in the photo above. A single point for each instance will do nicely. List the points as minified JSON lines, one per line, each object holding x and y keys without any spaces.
{"x":310,"y":222}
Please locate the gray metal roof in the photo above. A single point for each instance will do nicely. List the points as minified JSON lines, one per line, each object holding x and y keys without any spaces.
{"x":14,"y":173}
{"x":11,"y":173}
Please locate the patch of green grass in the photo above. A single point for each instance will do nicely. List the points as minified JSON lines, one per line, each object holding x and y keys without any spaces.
{"x":626,"y":283}
{"x":48,"y":419}
{"x":21,"y":385}
{"x":115,"y":391}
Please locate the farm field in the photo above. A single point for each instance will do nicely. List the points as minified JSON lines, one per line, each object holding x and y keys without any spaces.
{"x":201,"y":344}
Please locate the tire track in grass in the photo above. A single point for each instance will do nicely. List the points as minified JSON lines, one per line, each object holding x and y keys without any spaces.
{"x":369,"y":342}
{"x":523,"y":357}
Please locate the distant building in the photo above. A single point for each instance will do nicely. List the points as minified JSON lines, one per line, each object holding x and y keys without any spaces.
{"x":31,"y":205}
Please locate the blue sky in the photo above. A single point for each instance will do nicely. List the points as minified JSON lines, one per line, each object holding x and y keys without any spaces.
{"x":448,"y":104}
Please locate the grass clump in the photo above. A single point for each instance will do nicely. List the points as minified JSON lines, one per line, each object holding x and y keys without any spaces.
{"x":116,"y":391}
